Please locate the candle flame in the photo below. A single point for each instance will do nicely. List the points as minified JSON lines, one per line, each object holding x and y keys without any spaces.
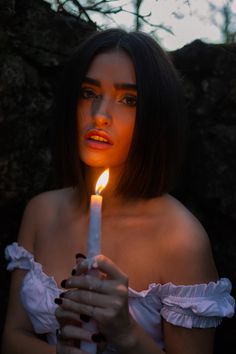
{"x":102,"y":181}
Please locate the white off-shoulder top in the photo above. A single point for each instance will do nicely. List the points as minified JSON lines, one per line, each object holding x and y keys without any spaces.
{"x":200,"y":305}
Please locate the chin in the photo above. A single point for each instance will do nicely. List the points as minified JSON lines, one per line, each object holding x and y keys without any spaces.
{"x":99,"y":162}
{"x":95,"y":163}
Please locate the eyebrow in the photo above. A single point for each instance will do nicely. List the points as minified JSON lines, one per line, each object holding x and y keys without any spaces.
{"x":118,"y":86}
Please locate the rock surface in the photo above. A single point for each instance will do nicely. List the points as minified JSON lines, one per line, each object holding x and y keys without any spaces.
{"x":34,"y":42}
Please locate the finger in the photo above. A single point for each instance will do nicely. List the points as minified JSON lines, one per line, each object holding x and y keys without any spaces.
{"x":88,"y":282}
{"x":74,"y":307}
{"x":93,"y":284}
{"x":64,"y":315}
{"x":105,"y":265}
{"x":120,"y":293}
{"x":83,"y":297}
{"x":97,"y":313}
{"x":79,"y":258}
{"x":103,"y":311}
{"x":64,"y":348}
{"x":77,"y":333}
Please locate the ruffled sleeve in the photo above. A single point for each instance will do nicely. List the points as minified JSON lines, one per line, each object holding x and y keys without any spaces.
{"x":18,"y":257}
{"x":200,"y":305}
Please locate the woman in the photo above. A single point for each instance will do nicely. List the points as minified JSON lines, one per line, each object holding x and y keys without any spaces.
{"x":120,"y":106}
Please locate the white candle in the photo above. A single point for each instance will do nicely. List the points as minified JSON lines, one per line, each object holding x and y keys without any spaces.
{"x":94,"y":235}
{"x":94,"y":247}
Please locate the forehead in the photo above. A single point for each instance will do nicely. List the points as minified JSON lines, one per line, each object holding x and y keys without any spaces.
{"x":114,"y":65}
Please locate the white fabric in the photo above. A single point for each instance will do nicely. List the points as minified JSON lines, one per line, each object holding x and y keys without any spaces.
{"x":200,"y":305}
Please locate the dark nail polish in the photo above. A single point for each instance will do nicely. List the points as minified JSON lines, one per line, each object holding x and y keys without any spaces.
{"x":73,"y":272}
{"x":62,"y":295}
{"x":103,"y":338}
{"x":85,"y":318}
{"x":58,"y":334}
{"x":63,"y":283}
{"x":80,"y":255}
{"x":58,"y":301}
{"x":96,"y":338}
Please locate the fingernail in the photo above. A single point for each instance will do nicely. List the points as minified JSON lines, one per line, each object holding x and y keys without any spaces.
{"x":80,"y":255}
{"x":85,"y":318}
{"x":62,"y":294}
{"x":73,"y":272}
{"x":103,"y":338}
{"x":58,"y":333}
{"x":96,"y":338}
{"x":63,"y":283}
{"x":58,"y":301}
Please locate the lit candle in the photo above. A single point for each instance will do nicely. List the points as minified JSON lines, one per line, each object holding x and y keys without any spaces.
{"x":94,"y":246}
{"x":94,"y":235}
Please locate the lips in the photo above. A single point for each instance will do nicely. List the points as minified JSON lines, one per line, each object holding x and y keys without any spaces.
{"x":98,"y":139}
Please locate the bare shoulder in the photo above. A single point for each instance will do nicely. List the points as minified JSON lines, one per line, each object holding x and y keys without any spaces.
{"x":39,"y":210}
{"x":43,"y":205}
{"x":182,"y":224}
{"x":186,"y":250}
{"x":49,"y":198}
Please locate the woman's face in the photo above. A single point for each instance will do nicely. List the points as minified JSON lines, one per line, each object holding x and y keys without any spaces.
{"x":106,"y":110}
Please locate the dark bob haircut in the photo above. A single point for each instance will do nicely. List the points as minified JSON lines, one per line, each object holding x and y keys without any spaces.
{"x":156,"y":152}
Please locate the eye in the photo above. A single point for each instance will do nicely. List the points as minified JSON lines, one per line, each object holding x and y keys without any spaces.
{"x":129,"y":100}
{"x":87,"y":93}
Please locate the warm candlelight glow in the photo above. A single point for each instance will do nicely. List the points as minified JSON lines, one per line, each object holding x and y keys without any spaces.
{"x":102,"y":181}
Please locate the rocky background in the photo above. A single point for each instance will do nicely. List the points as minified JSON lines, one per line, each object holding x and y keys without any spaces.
{"x":34,"y":42}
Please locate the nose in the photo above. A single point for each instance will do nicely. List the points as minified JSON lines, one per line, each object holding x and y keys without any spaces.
{"x":101,"y":111}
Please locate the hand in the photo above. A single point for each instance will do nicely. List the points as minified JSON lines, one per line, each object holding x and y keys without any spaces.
{"x":105,"y":300}
{"x":65,"y":345}
{"x":70,"y":325}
